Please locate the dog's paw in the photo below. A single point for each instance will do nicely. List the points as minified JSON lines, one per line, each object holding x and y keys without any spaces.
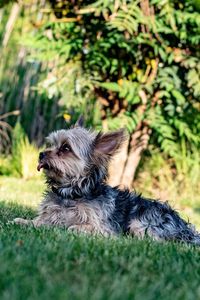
{"x":20,"y":221}
{"x":10,"y":222}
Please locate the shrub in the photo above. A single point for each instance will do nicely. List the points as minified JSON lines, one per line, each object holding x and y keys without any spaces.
{"x":141,"y":59}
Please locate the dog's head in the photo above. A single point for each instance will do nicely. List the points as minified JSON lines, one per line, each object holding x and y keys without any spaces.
{"x":78,"y":153}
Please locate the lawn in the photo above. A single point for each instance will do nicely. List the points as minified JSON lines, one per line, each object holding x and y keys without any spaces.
{"x":53,"y":264}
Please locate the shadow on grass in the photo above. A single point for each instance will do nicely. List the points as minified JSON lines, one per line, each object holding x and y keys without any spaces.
{"x":9,"y":211}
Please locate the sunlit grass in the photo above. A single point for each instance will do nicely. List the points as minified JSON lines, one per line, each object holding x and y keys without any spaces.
{"x":20,"y":191}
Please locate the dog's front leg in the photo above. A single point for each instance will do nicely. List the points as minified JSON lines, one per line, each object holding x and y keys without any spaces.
{"x":22,"y":221}
{"x":84,"y":228}
{"x":35,"y":222}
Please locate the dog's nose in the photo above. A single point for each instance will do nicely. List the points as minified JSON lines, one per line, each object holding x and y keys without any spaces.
{"x":42,"y":155}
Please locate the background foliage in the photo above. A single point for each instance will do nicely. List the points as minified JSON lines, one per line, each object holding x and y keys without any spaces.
{"x":132,"y":64}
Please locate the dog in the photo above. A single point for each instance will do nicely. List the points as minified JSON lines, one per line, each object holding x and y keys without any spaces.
{"x":75,"y":164}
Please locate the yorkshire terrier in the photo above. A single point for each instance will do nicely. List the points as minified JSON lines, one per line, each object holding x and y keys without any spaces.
{"x":75,"y":163}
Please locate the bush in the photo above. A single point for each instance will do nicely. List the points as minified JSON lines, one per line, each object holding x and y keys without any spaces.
{"x":141,"y":60}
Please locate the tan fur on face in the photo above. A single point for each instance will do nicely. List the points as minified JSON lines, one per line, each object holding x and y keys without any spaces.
{"x":88,"y":150}
{"x":74,"y":163}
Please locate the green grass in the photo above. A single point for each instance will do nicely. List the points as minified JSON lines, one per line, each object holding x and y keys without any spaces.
{"x":54,"y":264}
{"x":24,"y":192}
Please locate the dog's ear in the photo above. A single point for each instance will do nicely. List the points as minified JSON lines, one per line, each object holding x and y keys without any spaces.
{"x":79,"y":122}
{"x":109,"y":143}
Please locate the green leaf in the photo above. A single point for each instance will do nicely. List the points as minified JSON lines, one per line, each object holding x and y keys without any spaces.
{"x":180,"y":99}
{"x":112,"y":86}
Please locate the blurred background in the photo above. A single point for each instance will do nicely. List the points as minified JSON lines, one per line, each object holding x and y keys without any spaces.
{"x":119,"y":63}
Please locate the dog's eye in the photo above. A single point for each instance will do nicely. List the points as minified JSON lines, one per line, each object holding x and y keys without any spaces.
{"x":65,"y":148}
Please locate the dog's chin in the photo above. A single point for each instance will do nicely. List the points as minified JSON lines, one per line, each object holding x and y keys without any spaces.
{"x":51,"y":173}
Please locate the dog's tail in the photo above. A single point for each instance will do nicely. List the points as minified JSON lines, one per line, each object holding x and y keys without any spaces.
{"x":170,"y":226}
{"x":190,"y":235}
{"x":185,"y":232}
{"x":178,"y":229}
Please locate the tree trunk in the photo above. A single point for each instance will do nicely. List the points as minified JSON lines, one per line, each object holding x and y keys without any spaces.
{"x":139,"y":142}
{"x":130,"y":168}
{"x":117,"y":166}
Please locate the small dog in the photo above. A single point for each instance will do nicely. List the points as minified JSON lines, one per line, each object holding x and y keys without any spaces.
{"x":76,"y":167}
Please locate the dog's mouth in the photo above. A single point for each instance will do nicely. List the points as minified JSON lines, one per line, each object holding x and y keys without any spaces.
{"x":43,"y":165}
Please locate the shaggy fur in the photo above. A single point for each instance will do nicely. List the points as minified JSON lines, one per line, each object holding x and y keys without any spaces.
{"x":76,"y":167}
